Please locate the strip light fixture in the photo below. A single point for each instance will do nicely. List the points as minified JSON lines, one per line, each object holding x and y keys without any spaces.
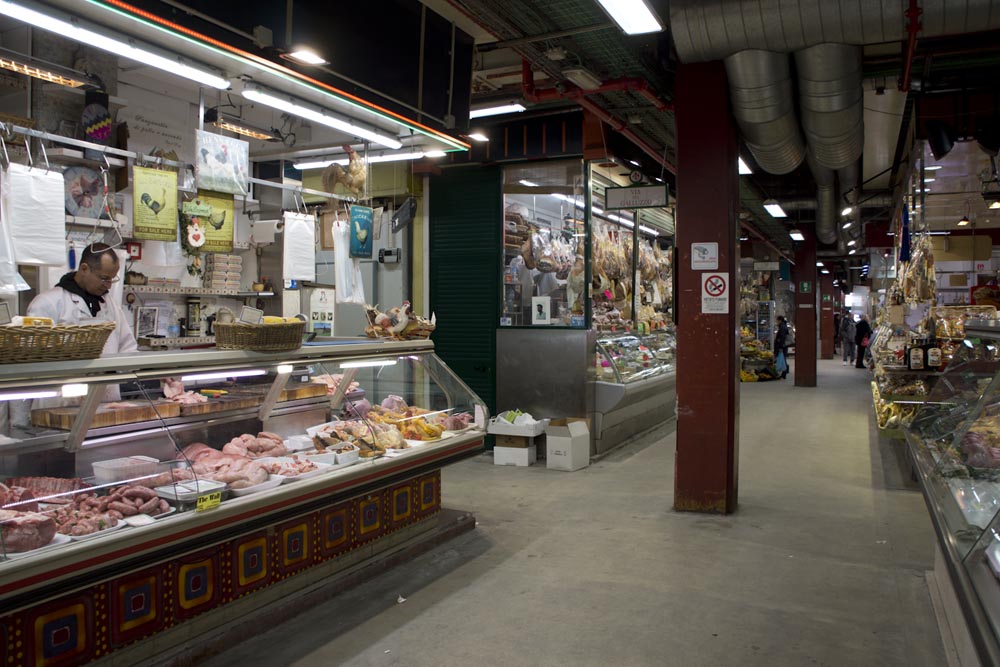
{"x":317,"y":116}
{"x":239,"y":126}
{"x":120,"y":47}
{"x":392,"y":157}
{"x":496,"y":110}
{"x":796,"y":235}
{"x":46,"y":71}
{"x":24,"y":395}
{"x":744,"y":168}
{"x":634,"y":17}
{"x":221,"y":375}
{"x":368,"y":363}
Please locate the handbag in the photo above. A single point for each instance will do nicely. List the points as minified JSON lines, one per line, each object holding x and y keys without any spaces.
{"x":864,"y":341}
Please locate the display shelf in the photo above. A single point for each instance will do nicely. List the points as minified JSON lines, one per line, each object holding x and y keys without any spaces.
{"x":73,"y":156}
{"x":190,"y":291}
{"x":100,"y":223}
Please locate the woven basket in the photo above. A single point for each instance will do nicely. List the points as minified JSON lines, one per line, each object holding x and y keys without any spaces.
{"x":56,"y":343}
{"x":260,"y":337}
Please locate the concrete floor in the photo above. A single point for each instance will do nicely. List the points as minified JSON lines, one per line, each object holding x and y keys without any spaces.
{"x":823,"y":564}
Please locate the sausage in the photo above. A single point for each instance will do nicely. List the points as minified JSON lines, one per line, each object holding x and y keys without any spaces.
{"x":115,"y":514}
{"x":149,"y":506}
{"x":139,"y":492}
{"x":164,"y":506}
{"x":125,"y":509}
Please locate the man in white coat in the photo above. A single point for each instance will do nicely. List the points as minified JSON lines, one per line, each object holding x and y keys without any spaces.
{"x":78,"y":298}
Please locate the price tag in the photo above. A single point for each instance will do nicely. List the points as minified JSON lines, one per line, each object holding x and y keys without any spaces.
{"x":209,"y":501}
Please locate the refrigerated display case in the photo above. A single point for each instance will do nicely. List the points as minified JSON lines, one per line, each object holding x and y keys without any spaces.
{"x":953,"y":439}
{"x":635,"y":386}
{"x":263,"y":472}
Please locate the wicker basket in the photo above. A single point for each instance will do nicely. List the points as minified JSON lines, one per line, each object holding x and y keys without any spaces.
{"x":260,"y":337}
{"x":56,"y":343}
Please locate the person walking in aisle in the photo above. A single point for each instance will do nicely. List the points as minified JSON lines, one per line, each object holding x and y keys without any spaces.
{"x":781,"y":344}
{"x":847,"y":331}
{"x":836,"y":332}
{"x":862,"y":332}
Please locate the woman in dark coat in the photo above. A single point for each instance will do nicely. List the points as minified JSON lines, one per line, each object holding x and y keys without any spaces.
{"x":781,"y":343}
{"x":863,"y":331}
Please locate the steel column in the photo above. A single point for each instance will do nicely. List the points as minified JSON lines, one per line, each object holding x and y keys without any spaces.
{"x":804,"y":274}
{"x":706,"y":465}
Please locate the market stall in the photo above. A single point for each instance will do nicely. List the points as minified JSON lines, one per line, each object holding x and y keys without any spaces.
{"x":217,"y":476}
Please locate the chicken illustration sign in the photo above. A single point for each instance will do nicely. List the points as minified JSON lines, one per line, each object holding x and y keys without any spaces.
{"x":154,"y":204}
{"x":210,"y":215}
{"x":221,"y":164}
{"x":361,"y":231}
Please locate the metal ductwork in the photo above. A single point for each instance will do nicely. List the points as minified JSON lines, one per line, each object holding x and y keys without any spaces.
{"x":760,"y":86}
{"x":706,"y":30}
{"x":830,"y":103}
{"x":826,"y":201}
{"x":868,"y":200}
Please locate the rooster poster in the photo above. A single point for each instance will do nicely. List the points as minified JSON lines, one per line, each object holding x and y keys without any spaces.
{"x":211,"y":214}
{"x":221,"y":164}
{"x":154,"y":204}
{"x":361,"y":231}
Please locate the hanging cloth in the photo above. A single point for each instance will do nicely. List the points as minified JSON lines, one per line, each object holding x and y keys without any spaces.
{"x":350,"y":282}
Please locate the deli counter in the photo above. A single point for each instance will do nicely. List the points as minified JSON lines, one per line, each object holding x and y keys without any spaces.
{"x":150,"y":492}
{"x":954,"y":440}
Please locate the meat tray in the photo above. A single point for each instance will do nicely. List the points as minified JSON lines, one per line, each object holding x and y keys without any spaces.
{"x":285,"y":479}
{"x":273,"y":482}
{"x":58,"y":540}
{"x":80,"y":538}
{"x":188,"y":492}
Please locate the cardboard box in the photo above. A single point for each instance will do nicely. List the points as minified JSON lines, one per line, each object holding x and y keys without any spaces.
{"x":567,"y":444}
{"x":519,"y":441}
{"x":514,"y":456}
{"x":504,"y":427}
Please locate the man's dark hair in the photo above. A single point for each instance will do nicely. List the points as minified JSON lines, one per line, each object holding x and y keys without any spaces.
{"x":92,"y":254}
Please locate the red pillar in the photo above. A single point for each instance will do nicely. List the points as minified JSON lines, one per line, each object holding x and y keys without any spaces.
{"x":827,"y":307}
{"x":804,"y":274}
{"x":705,"y":478}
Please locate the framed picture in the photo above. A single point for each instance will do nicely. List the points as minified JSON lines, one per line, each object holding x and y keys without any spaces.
{"x":145,"y":321}
{"x":541,"y":310}
{"x":361,"y":231}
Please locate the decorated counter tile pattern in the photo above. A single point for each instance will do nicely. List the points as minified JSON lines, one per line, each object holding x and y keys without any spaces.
{"x":78,"y":628}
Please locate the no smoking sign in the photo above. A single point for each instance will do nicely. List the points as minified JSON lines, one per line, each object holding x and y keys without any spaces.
{"x":715,"y":293}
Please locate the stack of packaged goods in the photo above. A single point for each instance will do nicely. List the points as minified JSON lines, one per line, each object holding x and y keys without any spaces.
{"x":223,"y":272}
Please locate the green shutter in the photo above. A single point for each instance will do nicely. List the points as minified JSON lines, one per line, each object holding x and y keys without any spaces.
{"x":465,"y":240}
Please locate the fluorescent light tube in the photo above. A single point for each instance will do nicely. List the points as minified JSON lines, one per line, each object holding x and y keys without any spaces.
{"x":932,"y":168}
{"x":796,"y":236}
{"x":435,"y":154}
{"x":851,"y":251}
{"x":288,"y":106}
{"x":582,"y":77}
{"x":308,"y":57}
{"x":847,"y":225}
{"x":368,"y":363}
{"x":819,"y":263}
{"x":851,"y":242}
{"x":284,"y":369}
{"x":73,"y":390}
{"x":774,"y":208}
{"x":528,"y":184}
{"x":744,"y":169}
{"x":939,"y":233}
{"x":824,"y":271}
{"x":221,"y":375}
{"x":634,"y":17}
{"x":995,"y":205}
{"x":929,"y":180}
{"x":497,"y":110}
{"x":634,"y":163}
{"x":119,"y":47}
{"x":392,"y":157}
{"x":478,"y":136}
{"x":25,"y":395}
{"x":964,"y":221}
{"x":648,"y":230}
{"x":847,"y":211}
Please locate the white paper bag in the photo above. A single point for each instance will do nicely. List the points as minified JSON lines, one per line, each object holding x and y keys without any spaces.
{"x":299,"y":257}
{"x":349,"y":281}
{"x":34,"y":211}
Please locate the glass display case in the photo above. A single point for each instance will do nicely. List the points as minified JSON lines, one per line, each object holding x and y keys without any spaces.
{"x":137,"y":447}
{"x":628,"y":358}
{"x":954,"y":440}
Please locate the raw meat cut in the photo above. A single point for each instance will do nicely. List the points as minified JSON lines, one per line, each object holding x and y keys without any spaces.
{"x":24,"y":531}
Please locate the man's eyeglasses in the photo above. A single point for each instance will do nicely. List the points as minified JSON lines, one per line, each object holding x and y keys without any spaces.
{"x":107,"y":280}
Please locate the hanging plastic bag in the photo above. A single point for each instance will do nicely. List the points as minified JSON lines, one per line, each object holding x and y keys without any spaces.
{"x":299,"y":247}
{"x":33,"y":210}
{"x":780,"y":364}
{"x":349,"y":280}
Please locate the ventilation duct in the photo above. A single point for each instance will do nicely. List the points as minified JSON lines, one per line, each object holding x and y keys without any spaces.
{"x":706,"y":30}
{"x":826,"y":201}
{"x":760,"y":86}
{"x":830,"y":101}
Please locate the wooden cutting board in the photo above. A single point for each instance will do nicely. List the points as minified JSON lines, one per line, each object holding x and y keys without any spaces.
{"x":63,"y":418}
{"x":293,"y":393}
{"x":221,"y":404}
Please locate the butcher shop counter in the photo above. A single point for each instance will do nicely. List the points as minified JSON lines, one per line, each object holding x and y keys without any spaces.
{"x":234,"y":476}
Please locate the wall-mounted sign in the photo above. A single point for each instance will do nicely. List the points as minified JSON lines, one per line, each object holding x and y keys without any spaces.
{"x":715,"y":293}
{"x":704,"y":256}
{"x":805,"y":286}
{"x":766,"y":266}
{"x":154,"y":204}
{"x":636,"y":196}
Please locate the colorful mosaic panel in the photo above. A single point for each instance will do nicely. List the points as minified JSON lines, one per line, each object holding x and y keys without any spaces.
{"x":335,"y":530}
{"x":401,"y":505}
{"x":251,"y":565}
{"x":369,"y":519}
{"x":428,"y":498}
{"x":295,"y":545}
{"x":60,"y":633}
{"x":197,"y":582}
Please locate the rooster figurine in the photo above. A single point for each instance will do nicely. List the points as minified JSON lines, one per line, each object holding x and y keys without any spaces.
{"x":396,"y":319}
{"x":217,"y":220}
{"x":353,"y":177}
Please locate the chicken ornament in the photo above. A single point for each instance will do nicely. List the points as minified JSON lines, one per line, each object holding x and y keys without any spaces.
{"x":352,"y":178}
{"x":398,"y":322}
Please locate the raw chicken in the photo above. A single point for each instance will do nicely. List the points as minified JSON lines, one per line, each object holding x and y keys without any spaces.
{"x":173,"y":389}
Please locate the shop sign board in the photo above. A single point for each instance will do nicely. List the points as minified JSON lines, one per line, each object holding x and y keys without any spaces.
{"x":715,"y":293}
{"x":704,"y":256}
{"x":766,"y":266}
{"x":636,"y":196}
{"x":361,"y":231}
{"x":805,"y":286}
{"x":154,"y":204}
{"x":212,"y":213}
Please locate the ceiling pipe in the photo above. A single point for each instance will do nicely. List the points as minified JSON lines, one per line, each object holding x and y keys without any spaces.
{"x":626,"y":84}
{"x":760,"y":87}
{"x":868,"y":200}
{"x":913,"y":26}
{"x":760,"y":236}
{"x":579,"y":96}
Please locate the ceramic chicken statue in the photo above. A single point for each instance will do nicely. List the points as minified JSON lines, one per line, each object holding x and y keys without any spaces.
{"x":396,"y":319}
{"x":353,"y":177}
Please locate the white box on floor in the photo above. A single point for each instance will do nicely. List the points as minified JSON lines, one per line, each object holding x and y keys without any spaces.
{"x":567,"y":444}
{"x":515,"y":456}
